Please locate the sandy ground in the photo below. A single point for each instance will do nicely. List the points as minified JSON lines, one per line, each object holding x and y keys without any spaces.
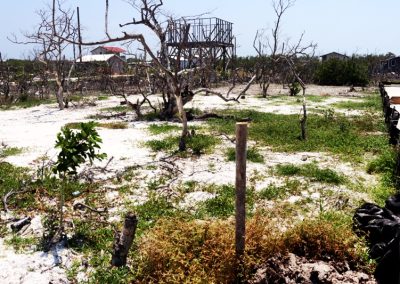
{"x":35,"y":129}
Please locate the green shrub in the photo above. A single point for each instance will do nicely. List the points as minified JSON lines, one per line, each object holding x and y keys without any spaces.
{"x":343,"y":72}
{"x":76,"y":148}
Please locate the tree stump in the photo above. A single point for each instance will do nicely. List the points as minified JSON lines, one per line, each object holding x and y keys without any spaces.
{"x":123,"y":241}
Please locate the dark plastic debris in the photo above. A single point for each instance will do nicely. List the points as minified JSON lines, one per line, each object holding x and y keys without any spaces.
{"x":381,"y":227}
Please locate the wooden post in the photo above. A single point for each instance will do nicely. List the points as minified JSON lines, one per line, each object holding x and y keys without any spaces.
{"x":124,"y":240}
{"x":79,"y":34}
{"x":241,"y":155}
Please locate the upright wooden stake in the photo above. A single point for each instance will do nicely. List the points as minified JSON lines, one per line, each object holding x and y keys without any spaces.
{"x":79,"y":34}
{"x":241,"y":154}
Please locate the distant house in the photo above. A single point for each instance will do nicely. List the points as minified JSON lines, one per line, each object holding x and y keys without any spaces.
{"x":108,"y":50}
{"x":390,"y":65}
{"x":334,"y":55}
{"x":114,"y":62}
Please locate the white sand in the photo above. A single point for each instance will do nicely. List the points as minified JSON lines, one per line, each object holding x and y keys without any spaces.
{"x":35,"y":130}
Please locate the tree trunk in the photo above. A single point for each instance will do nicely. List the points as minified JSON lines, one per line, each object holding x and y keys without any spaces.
{"x":60,"y":98}
{"x":185,"y":131}
{"x":123,"y":241}
{"x":265,"y":87}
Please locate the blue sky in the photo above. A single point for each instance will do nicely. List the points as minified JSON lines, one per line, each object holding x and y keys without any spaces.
{"x":347,"y":26}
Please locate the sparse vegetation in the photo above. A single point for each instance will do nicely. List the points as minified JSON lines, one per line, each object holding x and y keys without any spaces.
{"x":304,"y":181}
{"x":197,"y":144}
{"x":341,"y":135}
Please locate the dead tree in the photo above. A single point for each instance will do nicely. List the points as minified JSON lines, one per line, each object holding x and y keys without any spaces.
{"x":53,"y":36}
{"x":174,"y":77}
{"x":270,"y":48}
{"x":296,"y":57}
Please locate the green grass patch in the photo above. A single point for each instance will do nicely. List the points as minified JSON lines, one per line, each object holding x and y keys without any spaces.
{"x":311,"y":171}
{"x":341,"y":135}
{"x":156,"y":129}
{"x":10,"y":151}
{"x":253,"y":155}
{"x":372,"y":102}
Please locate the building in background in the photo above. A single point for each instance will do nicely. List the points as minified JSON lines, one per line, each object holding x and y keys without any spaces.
{"x":334,"y":55}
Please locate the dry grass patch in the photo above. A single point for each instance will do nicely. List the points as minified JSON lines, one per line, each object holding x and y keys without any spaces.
{"x":176,"y":251}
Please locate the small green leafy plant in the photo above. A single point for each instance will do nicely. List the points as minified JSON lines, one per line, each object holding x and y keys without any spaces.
{"x":76,"y":148}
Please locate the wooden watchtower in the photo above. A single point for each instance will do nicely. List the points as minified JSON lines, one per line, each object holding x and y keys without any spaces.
{"x":200,"y":40}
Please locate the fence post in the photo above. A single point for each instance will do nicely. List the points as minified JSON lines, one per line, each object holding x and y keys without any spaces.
{"x":240,"y":226}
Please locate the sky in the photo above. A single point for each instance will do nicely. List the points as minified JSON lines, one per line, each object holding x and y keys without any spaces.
{"x":345,"y":26}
